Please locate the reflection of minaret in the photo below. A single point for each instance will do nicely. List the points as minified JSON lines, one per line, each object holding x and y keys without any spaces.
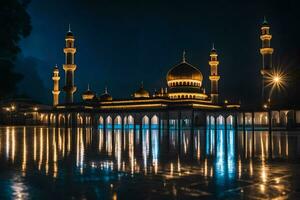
{"x":55,"y":90}
{"x":69,"y":67}
{"x":214,"y":77}
{"x":266,"y":51}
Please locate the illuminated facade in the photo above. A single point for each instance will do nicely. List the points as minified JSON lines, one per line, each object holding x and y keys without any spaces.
{"x":184,"y":87}
{"x":184,"y":97}
{"x":183,"y":103}
{"x":266,"y":52}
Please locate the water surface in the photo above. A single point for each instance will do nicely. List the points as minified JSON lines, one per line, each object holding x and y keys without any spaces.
{"x":83,"y":163}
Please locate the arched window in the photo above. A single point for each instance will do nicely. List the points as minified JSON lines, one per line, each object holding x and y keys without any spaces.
{"x":145,"y":122}
{"x":108,"y":121}
{"x":118,"y":122}
{"x":220,"y":122}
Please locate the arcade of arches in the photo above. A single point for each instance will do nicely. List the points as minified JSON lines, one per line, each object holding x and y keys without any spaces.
{"x":175,"y":120}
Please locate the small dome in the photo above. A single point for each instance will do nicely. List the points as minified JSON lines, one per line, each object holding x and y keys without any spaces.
{"x":141,"y":93}
{"x":184,"y":70}
{"x":213,"y":50}
{"x":69,"y":34}
{"x":105,"y":96}
{"x":55,"y":69}
{"x":88,"y":95}
{"x":265,"y":22}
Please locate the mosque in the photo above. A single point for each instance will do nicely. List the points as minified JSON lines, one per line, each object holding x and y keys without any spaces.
{"x":184,"y":83}
{"x":183,"y":103}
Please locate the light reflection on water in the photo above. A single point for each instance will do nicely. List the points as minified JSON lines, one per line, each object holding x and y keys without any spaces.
{"x":205,"y":162}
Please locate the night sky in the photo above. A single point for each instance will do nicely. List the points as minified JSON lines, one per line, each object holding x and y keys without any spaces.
{"x":121,"y":43}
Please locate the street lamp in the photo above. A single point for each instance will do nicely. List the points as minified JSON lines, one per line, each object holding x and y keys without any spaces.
{"x":276,"y":79}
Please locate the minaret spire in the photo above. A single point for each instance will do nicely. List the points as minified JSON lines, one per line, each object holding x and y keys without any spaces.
{"x":69,"y":28}
{"x":183,"y":56}
{"x":265,"y":20}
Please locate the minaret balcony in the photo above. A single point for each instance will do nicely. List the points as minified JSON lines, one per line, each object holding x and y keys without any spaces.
{"x":266,"y":37}
{"x":55,"y":78}
{"x":213,"y":62}
{"x":70,"y":50}
{"x":214,"y":78}
{"x":69,"y":67}
{"x":70,"y":89}
{"x":55,"y":92}
{"x":266,"y":51}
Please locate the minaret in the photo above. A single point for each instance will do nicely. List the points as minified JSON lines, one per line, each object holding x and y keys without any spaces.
{"x":55,"y":90}
{"x":69,"y":66}
{"x":266,"y":51}
{"x":214,"y":77}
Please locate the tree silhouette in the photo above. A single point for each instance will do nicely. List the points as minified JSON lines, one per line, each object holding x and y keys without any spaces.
{"x":14,"y":24}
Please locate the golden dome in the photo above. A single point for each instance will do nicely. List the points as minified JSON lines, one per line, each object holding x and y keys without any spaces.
{"x":141,"y":93}
{"x":105,"y":96}
{"x":184,"y":71}
{"x":184,"y":81}
{"x":88,"y":95}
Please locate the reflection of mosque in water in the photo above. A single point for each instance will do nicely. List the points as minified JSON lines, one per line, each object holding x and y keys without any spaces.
{"x":149,"y":151}
{"x":183,"y":104}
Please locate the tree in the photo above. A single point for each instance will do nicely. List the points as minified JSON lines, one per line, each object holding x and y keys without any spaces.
{"x":14,"y":24}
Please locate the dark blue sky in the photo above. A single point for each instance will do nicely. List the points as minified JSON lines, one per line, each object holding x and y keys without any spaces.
{"x":121,"y":43}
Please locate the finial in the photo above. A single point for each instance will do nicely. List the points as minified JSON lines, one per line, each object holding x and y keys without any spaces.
{"x":105,"y":90}
{"x":142,"y":84}
{"x":69,"y":28}
{"x":183,"y":56}
{"x":213,"y":46}
{"x":88,"y":87}
{"x":265,"y":20}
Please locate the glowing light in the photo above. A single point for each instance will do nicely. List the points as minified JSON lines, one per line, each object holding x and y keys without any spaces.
{"x":276,"y":79}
